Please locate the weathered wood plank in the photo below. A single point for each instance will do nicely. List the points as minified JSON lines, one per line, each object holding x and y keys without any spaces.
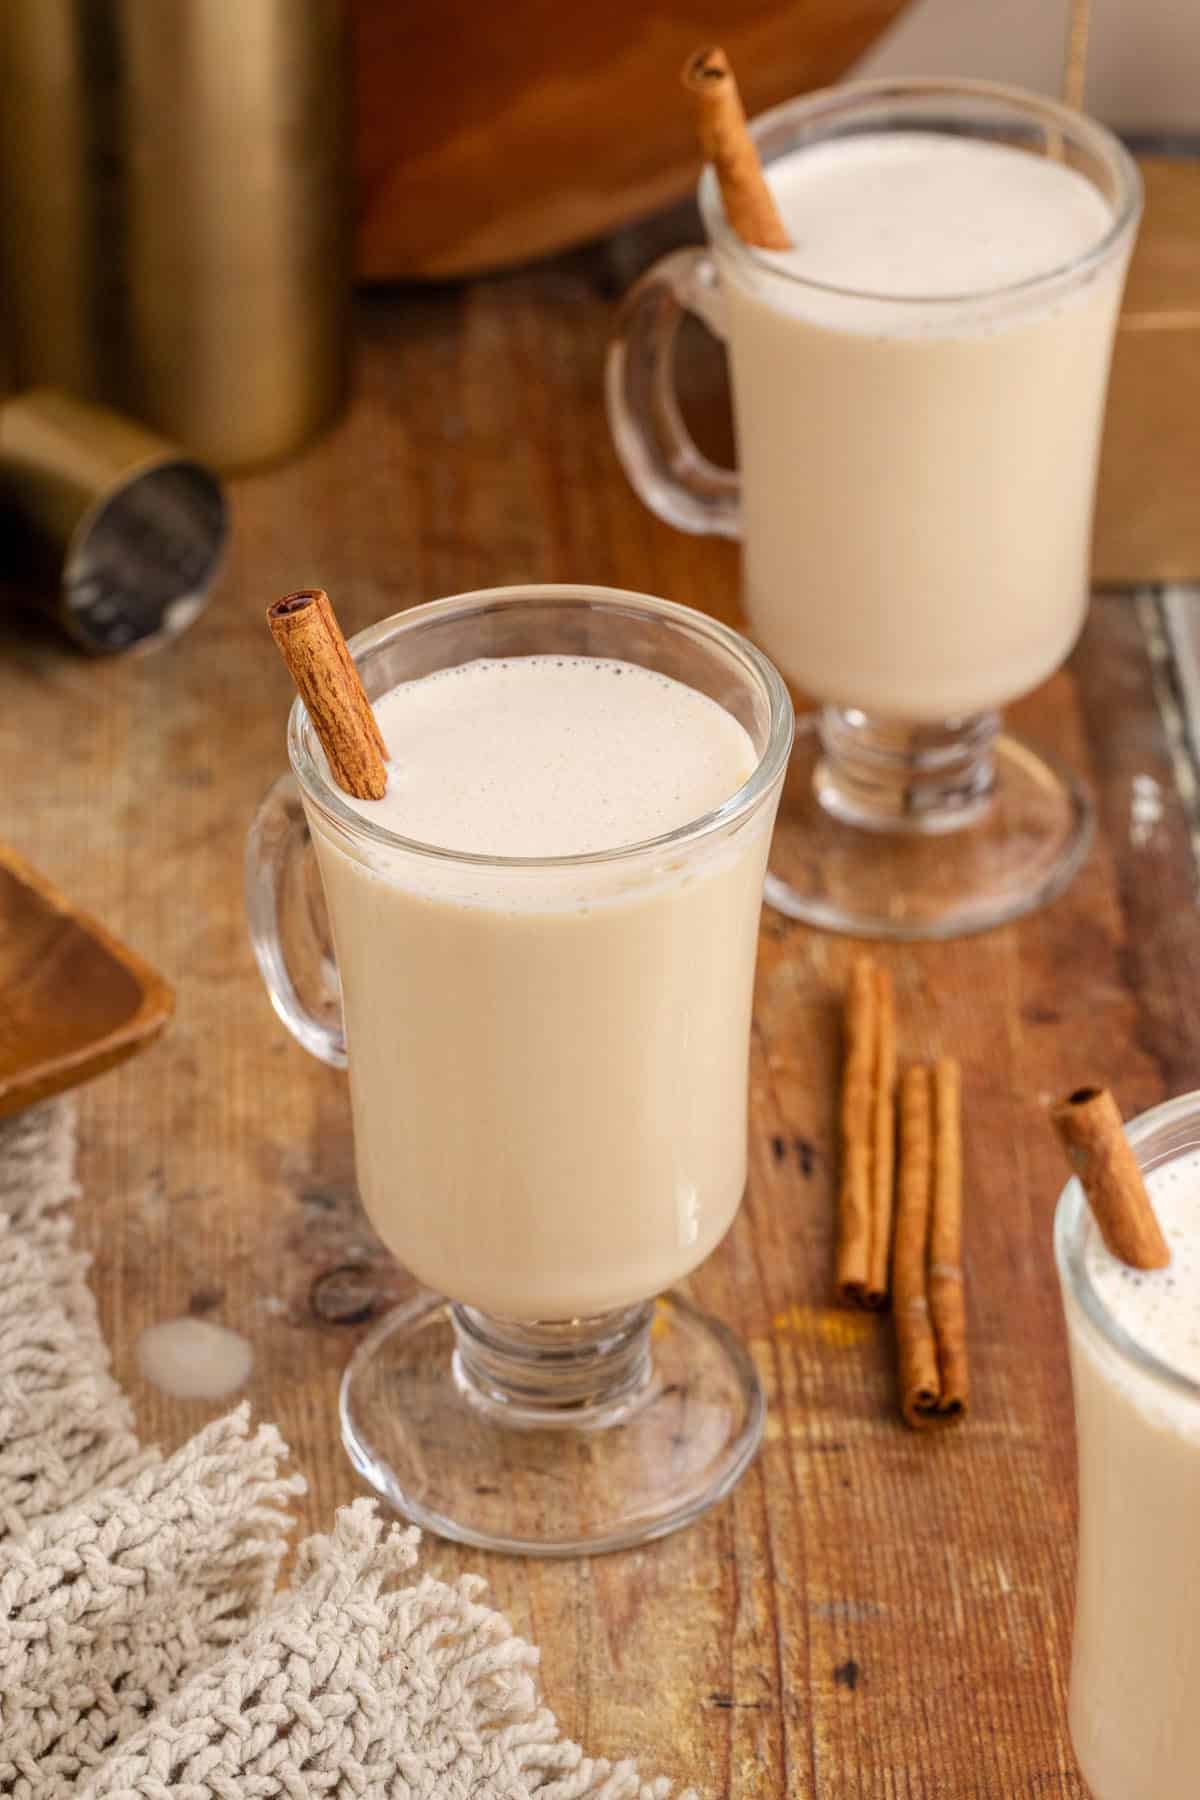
{"x":872,"y":1615}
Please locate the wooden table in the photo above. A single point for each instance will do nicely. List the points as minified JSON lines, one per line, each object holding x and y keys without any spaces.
{"x":872,"y":1614}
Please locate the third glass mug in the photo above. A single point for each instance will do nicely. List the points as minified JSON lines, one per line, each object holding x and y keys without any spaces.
{"x":1135,"y":1663}
{"x":548,"y":1073}
{"x":917,"y":472}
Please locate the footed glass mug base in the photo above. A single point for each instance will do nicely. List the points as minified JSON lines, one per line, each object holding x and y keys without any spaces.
{"x":551,"y":1439}
{"x":892,"y":832}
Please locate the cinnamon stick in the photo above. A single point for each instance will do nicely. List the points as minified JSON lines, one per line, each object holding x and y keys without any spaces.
{"x":868,"y":1137}
{"x":927,"y":1282}
{"x":916,"y":1345}
{"x":854,"y":1191}
{"x":325,"y":608}
{"x":1079,"y":21}
{"x":947,"y":1303}
{"x":311,"y":643}
{"x":726,"y":142}
{"x":883,"y":1142}
{"x":1088,"y":1123}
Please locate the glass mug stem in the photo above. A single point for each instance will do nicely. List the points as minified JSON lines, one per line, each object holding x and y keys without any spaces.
{"x":575,"y":1371}
{"x":882,"y":775}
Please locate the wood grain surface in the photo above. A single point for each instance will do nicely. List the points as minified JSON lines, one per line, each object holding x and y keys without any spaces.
{"x":873,"y":1615}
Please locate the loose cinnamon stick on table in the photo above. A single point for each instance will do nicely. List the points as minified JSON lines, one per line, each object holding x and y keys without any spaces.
{"x":1088,"y":1123}
{"x":868,"y":1137}
{"x":947,"y":1303}
{"x":854,"y":1190}
{"x":930,"y":1311}
{"x":726,"y":142}
{"x":916,"y":1345}
{"x":311,"y":643}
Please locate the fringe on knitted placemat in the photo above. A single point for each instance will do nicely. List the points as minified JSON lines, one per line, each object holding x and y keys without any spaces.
{"x":359,"y":1684}
{"x":65,"y":1426}
{"x":108,"y":1607}
{"x":37,"y":1168}
{"x":37,"y":1190}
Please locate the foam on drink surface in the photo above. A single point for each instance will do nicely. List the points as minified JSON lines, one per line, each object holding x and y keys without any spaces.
{"x":547,"y":756}
{"x":925,"y":215}
{"x":1160,"y":1308}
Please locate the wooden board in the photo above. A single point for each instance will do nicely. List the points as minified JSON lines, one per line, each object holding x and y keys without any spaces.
{"x":73,"y":1001}
{"x":488,"y":134}
{"x":1148,"y":507}
{"x":871,"y":1616}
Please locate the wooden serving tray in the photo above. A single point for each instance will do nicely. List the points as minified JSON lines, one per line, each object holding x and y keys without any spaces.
{"x":73,"y":1001}
{"x":489,"y":134}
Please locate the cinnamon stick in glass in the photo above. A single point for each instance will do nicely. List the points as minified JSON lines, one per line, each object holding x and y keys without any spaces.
{"x":883,"y":1142}
{"x":324,"y":607}
{"x":1088,"y":1123}
{"x":311,"y":643}
{"x":726,"y":143}
{"x":1079,"y":20}
{"x":867,"y":1137}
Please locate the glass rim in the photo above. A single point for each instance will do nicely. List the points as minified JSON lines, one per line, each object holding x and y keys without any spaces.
{"x":831,"y":102}
{"x":768,"y":769}
{"x":1072,"y":1213}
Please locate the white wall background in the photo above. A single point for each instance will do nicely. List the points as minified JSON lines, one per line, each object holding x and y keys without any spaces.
{"x":1143,"y":59}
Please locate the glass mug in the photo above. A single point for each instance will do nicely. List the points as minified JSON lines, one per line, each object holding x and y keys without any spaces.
{"x":914,"y":504}
{"x":1135,"y":1665}
{"x":548,"y":1076}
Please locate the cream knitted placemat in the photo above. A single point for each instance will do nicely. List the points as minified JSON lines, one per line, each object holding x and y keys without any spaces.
{"x":65,"y":1426}
{"x":145,"y":1652}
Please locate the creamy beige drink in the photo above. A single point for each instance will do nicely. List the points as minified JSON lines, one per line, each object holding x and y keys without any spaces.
{"x":1135,"y":1720}
{"x":548,"y":1063}
{"x":918,"y":455}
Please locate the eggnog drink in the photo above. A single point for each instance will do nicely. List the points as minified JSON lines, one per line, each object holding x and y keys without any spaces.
{"x":1135,"y":1677}
{"x":918,"y":428}
{"x":548,"y":1060}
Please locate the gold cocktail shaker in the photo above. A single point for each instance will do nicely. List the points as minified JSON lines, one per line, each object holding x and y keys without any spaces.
{"x":173,"y":217}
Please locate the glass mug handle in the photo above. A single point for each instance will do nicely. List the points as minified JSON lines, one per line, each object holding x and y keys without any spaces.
{"x":667,"y":471}
{"x":289,"y":925}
